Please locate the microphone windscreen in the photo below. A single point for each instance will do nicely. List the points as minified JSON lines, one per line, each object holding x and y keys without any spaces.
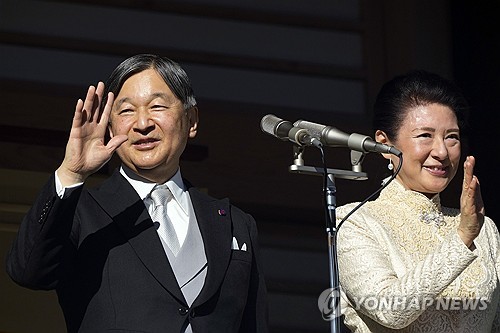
{"x":276,"y":126}
{"x":269,"y":122}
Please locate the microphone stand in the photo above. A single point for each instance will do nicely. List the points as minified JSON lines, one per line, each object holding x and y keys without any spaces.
{"x":331,"y":228}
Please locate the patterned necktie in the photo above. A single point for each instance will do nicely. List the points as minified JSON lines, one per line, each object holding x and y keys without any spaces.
{"x":160,"y":196}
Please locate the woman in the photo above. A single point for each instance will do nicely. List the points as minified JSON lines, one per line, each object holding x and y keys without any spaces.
{"x":406,"y":263}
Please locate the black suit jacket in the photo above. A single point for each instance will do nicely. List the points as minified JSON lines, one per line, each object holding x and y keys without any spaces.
{"x":99,"y":249}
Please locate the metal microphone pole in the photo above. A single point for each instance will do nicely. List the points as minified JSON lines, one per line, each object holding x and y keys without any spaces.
{"x":331,"y":228}
{"x":331,"y":231}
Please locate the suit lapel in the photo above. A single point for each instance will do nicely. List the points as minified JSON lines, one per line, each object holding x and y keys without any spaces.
{"x":119,"y":199}
{"x":214,"y":221}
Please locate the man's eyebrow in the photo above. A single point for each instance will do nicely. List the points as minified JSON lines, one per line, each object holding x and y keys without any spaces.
{"x":153,"y":96}
{"x":159,"y":94}
{"x":122,"y":100}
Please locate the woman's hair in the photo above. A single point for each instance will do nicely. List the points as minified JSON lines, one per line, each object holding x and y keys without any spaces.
{"x":416,"y":88}
{"x":171,"y":72}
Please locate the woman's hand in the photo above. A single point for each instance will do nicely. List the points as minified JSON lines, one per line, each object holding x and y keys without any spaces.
{"x":471,"y":205}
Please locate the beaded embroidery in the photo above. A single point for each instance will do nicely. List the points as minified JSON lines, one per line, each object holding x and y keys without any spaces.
{"x":433,"y":217}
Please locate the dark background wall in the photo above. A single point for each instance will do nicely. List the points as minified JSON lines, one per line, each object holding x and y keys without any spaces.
{"x":319,"y":60}
{"x":476,"y":54}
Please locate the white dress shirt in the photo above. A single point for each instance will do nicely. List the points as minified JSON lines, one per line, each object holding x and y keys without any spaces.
{"x":177,"y":210}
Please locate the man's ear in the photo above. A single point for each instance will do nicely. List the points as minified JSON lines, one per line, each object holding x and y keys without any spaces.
{"x":192,"y":114}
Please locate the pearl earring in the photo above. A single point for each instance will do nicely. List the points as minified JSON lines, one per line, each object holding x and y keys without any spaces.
{"x":390,"y":166}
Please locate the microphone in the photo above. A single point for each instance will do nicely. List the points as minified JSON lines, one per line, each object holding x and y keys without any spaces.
{"x":332,"y":137}
{"x":285,"y":130}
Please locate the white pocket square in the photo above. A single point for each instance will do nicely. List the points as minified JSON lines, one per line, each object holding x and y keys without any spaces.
{"x":235,"y":246}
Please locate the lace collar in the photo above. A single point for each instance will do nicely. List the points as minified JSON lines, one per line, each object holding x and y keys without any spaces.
{"x":429,"y":211}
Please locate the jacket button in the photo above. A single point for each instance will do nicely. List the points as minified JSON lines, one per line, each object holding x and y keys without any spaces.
{"x":183,"y":311}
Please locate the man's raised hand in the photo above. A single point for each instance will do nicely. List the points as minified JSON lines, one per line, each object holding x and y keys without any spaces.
{"x":86,"y":150}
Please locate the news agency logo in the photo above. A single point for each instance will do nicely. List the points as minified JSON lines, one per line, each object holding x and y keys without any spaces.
{"x":329,"y":304}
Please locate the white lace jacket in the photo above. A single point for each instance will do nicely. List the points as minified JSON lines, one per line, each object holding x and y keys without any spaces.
{"x":403,"y":268}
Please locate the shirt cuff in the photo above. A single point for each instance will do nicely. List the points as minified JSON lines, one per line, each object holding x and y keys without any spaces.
{"x":61,"y":190}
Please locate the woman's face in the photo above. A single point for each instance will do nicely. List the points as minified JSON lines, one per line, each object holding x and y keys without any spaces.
{"x":430,"y":141}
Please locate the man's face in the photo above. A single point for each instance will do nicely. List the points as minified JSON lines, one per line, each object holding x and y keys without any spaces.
{"x":156,"y":124}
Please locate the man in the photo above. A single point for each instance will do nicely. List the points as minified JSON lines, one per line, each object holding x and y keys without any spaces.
{"x":120,"y":259}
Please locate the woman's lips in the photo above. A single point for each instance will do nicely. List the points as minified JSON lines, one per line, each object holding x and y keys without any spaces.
{"x":437,"y":170}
